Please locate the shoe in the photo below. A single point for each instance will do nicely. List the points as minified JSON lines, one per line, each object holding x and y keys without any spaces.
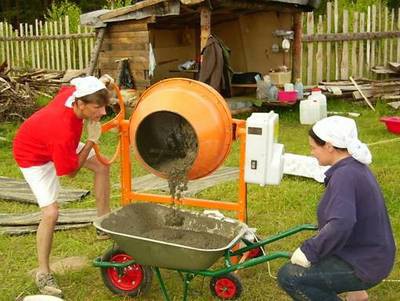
{"x":47,"y":285}
{"x":101,"y":235}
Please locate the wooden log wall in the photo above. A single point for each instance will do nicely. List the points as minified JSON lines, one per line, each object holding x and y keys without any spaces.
{"x":129,"y":39}
{"x":349,"y":43}
{"x":45,"y":45}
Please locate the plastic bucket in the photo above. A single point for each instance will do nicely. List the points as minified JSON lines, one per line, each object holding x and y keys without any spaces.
{"x":177,"y":117}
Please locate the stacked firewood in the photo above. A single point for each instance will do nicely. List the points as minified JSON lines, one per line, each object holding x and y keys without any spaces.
{"x":18,"y":93}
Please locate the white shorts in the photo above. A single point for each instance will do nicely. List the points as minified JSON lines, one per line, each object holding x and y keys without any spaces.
{"x":43,"y":180}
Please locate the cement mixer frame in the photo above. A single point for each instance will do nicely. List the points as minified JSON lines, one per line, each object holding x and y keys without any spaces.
{"x":117,"y":266}
{"x":128,"y":195}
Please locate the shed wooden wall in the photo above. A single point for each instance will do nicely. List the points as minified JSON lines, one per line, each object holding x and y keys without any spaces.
{"x":250,"y":39}
{"x":178,"y":45}
{"x":128,"y":39}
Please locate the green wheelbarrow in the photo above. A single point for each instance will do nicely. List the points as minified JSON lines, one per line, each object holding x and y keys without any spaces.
{"x":147,"y":241}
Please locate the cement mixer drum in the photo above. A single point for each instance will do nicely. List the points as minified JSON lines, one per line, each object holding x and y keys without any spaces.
{"x":179,"y":122}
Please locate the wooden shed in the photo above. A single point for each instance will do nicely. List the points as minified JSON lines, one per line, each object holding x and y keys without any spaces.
{"x":174,"y":31}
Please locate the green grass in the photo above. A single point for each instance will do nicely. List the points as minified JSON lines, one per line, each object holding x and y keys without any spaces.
{"x":270,"y":209}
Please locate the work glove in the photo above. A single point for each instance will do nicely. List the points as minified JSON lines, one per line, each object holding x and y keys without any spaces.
{"x":107,"y":80}
{"x":93,"y":131}
{"x":299,"y":258}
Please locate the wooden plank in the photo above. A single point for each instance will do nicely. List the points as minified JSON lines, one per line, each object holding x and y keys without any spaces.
{"x":373,"y":29}
{"x":354,"y":65}
{"x":117,"y":54}
{"x":68,"y":42}
{"x":57,"y":50}
{"x":350,"y":36}
{"x":391,"y":40}
{"x":310,"y":48}
{"x":361,"y":47}
{"x":12,"y":56}
{"x":152,"y":183}
{"x":127,"y":27}
{"x":46,"y":32}
{"x":124,"y":10}
{"x":336,"y":30}
{"x":38,"y":64}
{"x":32,"y":229}
{"x":205,"y":26}
{"x":33,"y":56}
{"x":297,"y":47}
{"x":328,"y":44}
{"x":86,"y":42}
{"x":8,"y":56}
{"x":63,"y":64}
{"x":17,"y":50}
{"x":66,"y":216}
{"x":109,"y":46}
{"x":95,"y":51}
{"x":385,"y":41}
{"x":368,"y":51}
{"x":18,"y":190}
{"x":42,"y":46}
{"x":378,"y":58}
{"x":362,"y":94}
{"x":344,"y":66}
{"x":21,"y":34}
{"x":80,"y":51}
{"x":124,"y":35}
{"x":27,"y":44}
{"x":319,"y":55}
{"x":398,"y":40}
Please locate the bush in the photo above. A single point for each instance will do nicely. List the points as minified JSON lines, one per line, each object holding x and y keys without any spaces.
{"x":60,"y":9}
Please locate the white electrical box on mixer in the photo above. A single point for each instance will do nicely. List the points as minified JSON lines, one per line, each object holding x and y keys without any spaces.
{"x":264,"y":156}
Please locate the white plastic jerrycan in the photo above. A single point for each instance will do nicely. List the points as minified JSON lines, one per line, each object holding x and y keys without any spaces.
{"x":317,"y":95}
{"x":310,"y":111}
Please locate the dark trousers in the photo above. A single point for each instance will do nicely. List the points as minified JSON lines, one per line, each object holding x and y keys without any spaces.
{"x":321,"y":282}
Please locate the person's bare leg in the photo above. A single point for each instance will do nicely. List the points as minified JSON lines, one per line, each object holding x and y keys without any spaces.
{"x":357,"y":296}
{"x":101,"y":184}
{"x":44,"y":236}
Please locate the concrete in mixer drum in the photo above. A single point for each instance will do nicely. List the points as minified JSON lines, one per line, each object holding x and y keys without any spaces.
{"x":168,"y":143}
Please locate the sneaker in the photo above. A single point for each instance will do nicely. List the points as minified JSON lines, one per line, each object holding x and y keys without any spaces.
{"x":101,"y":235}
{"x":47,"y":285}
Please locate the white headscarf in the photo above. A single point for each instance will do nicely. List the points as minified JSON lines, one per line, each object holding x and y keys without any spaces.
{"x":342,"y":132}
{"x":86,"y":85}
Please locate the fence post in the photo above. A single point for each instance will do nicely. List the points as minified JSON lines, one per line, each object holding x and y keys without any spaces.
{"x":319,"y":55}
{"x":328,"y":44}
{"x":354,"y":66}
{"x":62,"y":49}
{"x":373,"y":29}
{"x":68,"y":43}
{"x":344,"y":66}
{"x":361,"y":47}
{"x":57,"y":46}
{"x":336,"y":30}
{"x":310,"y":48}
{"x":80,"y":49}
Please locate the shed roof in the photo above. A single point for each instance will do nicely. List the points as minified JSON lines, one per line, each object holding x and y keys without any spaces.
{"x":158,"y":8}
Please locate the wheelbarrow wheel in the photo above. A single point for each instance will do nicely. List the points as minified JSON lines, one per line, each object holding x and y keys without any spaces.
{"x":133,"y":280}
{"x":226,"y":287}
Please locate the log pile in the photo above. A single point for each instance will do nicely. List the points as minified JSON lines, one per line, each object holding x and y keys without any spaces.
{"x":18,"y":93}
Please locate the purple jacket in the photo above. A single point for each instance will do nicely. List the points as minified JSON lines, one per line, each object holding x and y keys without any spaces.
{"x":353,"y":222}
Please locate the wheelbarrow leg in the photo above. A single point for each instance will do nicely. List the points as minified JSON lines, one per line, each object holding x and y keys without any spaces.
{"x":186,"y":281}
{"x":162,"y":285}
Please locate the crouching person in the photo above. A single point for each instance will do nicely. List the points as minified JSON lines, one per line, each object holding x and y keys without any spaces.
{"x":47,"y":146}
{"x":354,"y":248}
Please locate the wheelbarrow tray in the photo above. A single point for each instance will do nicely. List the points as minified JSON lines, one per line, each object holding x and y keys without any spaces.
{"x":127,"y":225}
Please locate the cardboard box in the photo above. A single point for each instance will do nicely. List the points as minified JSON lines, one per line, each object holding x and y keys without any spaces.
{"x":281,"y":78}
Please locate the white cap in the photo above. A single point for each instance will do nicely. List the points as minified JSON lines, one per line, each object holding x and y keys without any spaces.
{"x":341,"y":132}
{"x":87,"y":85}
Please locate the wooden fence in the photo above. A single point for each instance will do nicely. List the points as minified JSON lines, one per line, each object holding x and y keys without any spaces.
{"x":47,"y":45}
{"x":339,"y":45}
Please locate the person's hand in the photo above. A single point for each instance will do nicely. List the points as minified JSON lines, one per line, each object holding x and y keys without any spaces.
{"x":93,"y":130}
{"x":300,"y":259}
{"x":107,"y":80}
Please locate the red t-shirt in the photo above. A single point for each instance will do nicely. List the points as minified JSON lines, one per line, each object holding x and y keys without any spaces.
{"x":51,"y":134}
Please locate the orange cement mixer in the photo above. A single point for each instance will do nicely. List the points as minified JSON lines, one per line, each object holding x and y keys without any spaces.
{"x":165,"y":111}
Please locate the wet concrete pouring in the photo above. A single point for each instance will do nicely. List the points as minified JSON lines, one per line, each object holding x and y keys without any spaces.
{"x":168,"y":143}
